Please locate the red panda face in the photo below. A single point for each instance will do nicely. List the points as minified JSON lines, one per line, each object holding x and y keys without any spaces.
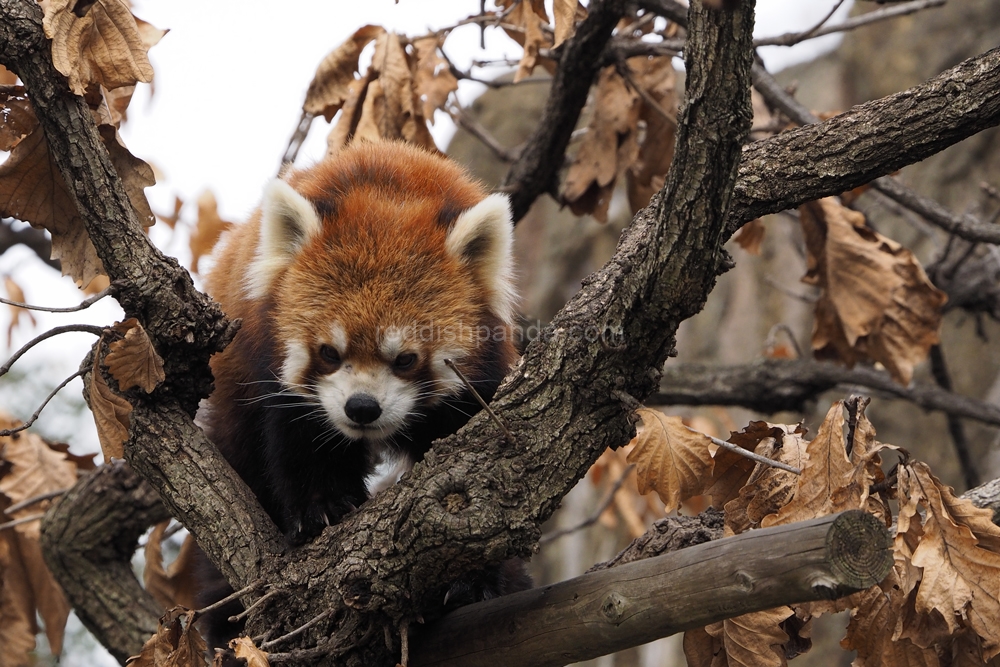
{"x":374,"y":286}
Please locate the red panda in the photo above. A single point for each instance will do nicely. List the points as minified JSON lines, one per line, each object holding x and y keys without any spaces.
{"x":354,"y":281}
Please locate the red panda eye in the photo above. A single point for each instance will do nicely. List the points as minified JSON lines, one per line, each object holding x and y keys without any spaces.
{"x":405,"y":361}
{"x":329,"y":354}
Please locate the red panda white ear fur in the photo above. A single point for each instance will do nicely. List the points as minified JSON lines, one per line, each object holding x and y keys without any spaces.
{"x":287,"y":222}
{"x":481,"y":238}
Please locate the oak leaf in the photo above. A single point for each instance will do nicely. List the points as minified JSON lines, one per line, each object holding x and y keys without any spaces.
{"x":132,"y":361}
{"x":703,"y":650}
{"x":670,"y":459}
{"x":177,"y":643}
{"x":209,"y":229}
{"x":330,"y":86}
{"x":111,"y":414}
{"x":135,"y":174}
{"x":876,"y":303}
{"x":7,"y":78}
{"x":103,"y":46}
{"x":343,"y":131}
{"x":566,"y":13}
{"x":35,"y":469}
{"x":656,"y":80}
{"x":15,"y":293}
{"x":18,"y":116}
{"x":245,"y":649}
{"x":755,"y":639}
{"x":432,"y":77}
{"x":523,"y":24}
{"x":173,"y":586}
{"x":17,"y":609}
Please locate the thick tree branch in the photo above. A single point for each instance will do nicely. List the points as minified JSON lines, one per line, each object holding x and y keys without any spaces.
{"x":609,"y":610}
{"x":773,"y":385}
{"x":34,"y":239}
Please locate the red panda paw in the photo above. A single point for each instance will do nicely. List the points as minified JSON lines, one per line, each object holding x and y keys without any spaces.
{"x":315,"y":517}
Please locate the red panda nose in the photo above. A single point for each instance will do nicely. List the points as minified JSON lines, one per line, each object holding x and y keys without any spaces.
{"x":362,"y":408}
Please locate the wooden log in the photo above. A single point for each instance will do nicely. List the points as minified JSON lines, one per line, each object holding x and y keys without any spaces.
{"x":606,"y":611}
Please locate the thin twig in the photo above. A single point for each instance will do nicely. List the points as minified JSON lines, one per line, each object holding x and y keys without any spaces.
{"x":772,"y":336}
{"x":297,"y":139}
{"x":55,"y":331}
{"x":472,"y":390}
{"x":791,"y":38}
{"x":479,"y":132}
{"x":404,"y":640}
{"x":34,"y":417}
{"x":18,"y":522}
{"x":34,"y":499}
{"x":261,"y":600}
{"x":626,"y":73}
{"x":736,"y":449}
{"x":86,"y":303}
{"x":229,"y":598}
{"x":297,"y":631}
{"x":939,"y":369}
{"x":593,"y":518}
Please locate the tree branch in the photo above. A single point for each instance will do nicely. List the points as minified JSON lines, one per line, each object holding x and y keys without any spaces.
{"x":773,"y":385}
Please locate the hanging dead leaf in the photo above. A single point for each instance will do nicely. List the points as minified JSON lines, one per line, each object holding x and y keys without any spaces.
{"x":176,"y":585}
{"x":7,"y":78}
{"x":36,"y":469}
{"x":245,"y":649}
{"x":132,"y":360}
{"x":767,"y":489}
{"x":656,"y":80}
{"x":103,"y":46}
{"x":670,"y":459}
{"x":32,"y":189}
{"x":432,"y":77}
{"x":177,"y":643}
{"x":960,"y":577}
{"x":344,"y":129}
{"x":111,"y":414}
{"x":609,"y":146}
{"x":751,"y":236}
{"x":15,"y":293}
{"x":877,"y":303}
{"x":331,"y":85}
{"x":18,"y":116}
{"x":524,"y":25}
{"x":755,"y":640}
{"x":566,"y":14}
{"x":703,"y":650}
{"x":209,"y":229}
{"x":134,"y":173}
{"x":17,"y":607}
{"x":730,"y":472}
{"x":171,"y":219}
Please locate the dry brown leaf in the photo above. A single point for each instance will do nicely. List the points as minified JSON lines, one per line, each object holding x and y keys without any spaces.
{"x":111,"y":414}
{"x":103,"y":46}
{"x":703,"y":650}
{"x":7,"y":78}
{"x":245,"y":649}
{"x":18,"y":117}
{"x":209,"y":229}
{"x":134,"y":173}
{"x":15,"y":293}
{"x":645,"y":175}
{"x":344,"y":129}
{"x":176,"y":643}
{"x":32,"y":189}
{"x":526,"y":21}
{"x":331,"y":85}
{"x":751,"y":236}
{"x":36,"y":469}
{"x":175,"y":586}
{"x":767,"y":489}
{"x":960,"y":579}
{"x":132,"y":360}
{"x":566,"y":13}
{"x":756,"y":639}
{"x":17,"y":606}
{"x":432,"y":77}
{"x":730,"y":472}
{"x":609,"y":146}
{"x":670,"y":459}
{"x":877,"y":303}
{"x":171,"y":219}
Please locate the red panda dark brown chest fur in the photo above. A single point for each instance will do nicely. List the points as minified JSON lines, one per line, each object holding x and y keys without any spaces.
{"x":355,"y":280}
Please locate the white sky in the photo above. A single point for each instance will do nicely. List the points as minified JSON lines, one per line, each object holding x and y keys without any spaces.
{"x":230,"y":80}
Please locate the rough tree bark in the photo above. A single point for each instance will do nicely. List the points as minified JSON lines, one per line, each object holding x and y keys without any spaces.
{"x":477,"y":498}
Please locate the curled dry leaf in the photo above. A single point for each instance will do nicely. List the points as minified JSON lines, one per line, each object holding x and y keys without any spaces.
{"x":245,"y":649}
{"x":174,"y":586}
{"x":36,"y":469}
{"x":111,"y":414}
{"x":132,"y":360}
{"x":432,"y":77}
{"x":756,"y":639}
{"x":176,"y":643}
{"x":15,"y":293}
{"x":135,"y":174}
{"x":525,"y":22}
{"x":670,"y":459}
{"x":209,"y":229}
{"x":18,"y":116}
{"x":331,"y":85}
{"x":877,"y":303}
{"x":956,"y":552}
{"x":346,"y":126}
{"x":103,"y":46}
{"x":656,"y":80}
{"x":566,"y":14}
{"x":17,"y":608}
{"x":32,"y":189}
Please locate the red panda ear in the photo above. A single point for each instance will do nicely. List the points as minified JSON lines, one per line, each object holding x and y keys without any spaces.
{"x":481,"y":238}
{"x":287,"y":222}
